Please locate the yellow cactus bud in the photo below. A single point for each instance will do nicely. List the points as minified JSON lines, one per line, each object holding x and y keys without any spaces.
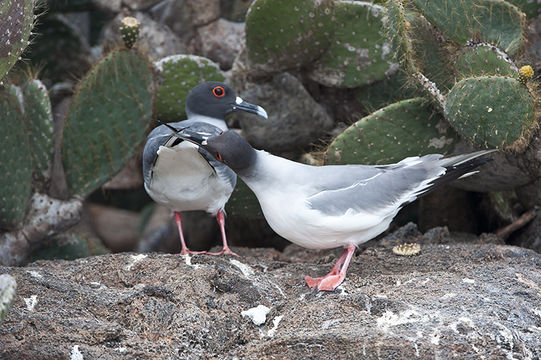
{"x":525,"y":74}
{"x":129,"y":30}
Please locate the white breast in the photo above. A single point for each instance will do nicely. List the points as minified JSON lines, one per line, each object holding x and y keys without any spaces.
{"x":183,"y":180}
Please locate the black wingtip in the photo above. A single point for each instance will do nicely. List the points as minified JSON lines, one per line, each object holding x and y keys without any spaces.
{"x":454,"y":172}
{"x":174,"y":130}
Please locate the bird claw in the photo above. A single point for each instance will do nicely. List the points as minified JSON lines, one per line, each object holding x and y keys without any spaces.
{"x":190,"y":252}
{"x":325,"y":283}
{"x":224,"y":251}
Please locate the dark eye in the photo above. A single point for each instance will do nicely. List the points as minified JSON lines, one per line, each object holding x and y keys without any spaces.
{"x":218,"y":91}
{"x":218,"y":156}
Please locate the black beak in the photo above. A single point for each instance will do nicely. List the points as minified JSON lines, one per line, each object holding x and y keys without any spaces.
{"x":241,"y":105}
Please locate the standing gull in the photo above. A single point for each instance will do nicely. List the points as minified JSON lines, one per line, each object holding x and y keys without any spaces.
{"x":323,"y":207}
{"x":185,"y":177}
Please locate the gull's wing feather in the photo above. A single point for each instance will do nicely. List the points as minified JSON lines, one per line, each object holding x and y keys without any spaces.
{"x":384,"y":190}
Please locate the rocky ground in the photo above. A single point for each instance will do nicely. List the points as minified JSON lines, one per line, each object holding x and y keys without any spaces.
{"x":456,"y":299}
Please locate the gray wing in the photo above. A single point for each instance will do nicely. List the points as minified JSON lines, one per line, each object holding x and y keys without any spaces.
{"x":163,"y":136}
{"x":373,"y":189}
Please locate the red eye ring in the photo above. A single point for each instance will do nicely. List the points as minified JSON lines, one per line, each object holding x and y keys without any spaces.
{"x":218,"y":156}
{"x":218,"y":91}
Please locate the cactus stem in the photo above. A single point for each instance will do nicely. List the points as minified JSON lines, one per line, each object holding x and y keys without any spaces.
{"x":431,"y":88}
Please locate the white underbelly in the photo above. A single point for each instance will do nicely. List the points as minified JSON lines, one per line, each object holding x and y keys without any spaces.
{"x":182,"y":180}
{"x":311,"y":229}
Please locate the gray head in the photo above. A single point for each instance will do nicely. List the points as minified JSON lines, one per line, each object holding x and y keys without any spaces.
{"x":216,"y":100}
{"x":229,"y":148}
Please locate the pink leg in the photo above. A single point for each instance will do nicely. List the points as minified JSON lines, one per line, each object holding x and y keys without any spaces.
{"x":184,"y":249}
{"x":337,"y":275}
{"x":226,"y":250}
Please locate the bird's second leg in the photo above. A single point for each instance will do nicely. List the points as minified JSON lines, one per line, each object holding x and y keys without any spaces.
{"x":226,"y":250}
{"x":184,"y":249}
{"x":337,"y":274}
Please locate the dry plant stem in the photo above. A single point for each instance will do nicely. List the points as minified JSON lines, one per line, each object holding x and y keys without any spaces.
{"x":46,"y":217}
{"x":524,"y":219}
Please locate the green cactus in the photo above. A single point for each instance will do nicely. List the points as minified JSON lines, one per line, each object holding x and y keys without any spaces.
{"x":8,"y":287}
{"x":481,"y":60}
{"x":107,"y":120}
{"x":525,"y":74}
{"x":129,"y":31}
{"x":243,"y":203}
{"x":178,"y":75}
{"x":286,"y":34}
{"x":492,"y":111}
{"x":39,"y":121}
{"x":68,"y":247}
{"x":386,"y":92}
{"x":16,"y":20}
{"x":15,"y":160}
{"x":55,"y":35}
{"x":492,"y":21}
{"x":431,"y":58}
{"x":531,"y":8}
{"x":359,"y":53}
{"x":407,"y":128}
{"x":398,"y":30}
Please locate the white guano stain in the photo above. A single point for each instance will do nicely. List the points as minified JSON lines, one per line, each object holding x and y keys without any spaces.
{"x":135,"y":260}
{"x":31,"y":302}
{"x":258,"y":314}
{"x":75,"y":353}
{"x":245,"y":269}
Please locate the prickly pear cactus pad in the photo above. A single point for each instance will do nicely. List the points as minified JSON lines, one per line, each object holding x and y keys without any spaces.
{"x":398,"y":34}
{"x":16,"y":19}
{"x":532,"y":8}
{"x":178,"y":75}
{"x":15,"y":161}
{"x":8,"y":287}
{"x":493,"y":21}
{"x":385,"y":92}
{"x":406,"y":128}
{"x":243,"y":203}
{"x":482,"y":60}
{"x":359,"y":53}
{"x":107,"y":120}
{"x":285,"y":34}
{"x":39,"y":121}
{"x":492,"y":111}
{"x":431,"y":58}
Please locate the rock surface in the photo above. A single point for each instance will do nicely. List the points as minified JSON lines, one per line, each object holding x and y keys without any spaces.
{"x":155,"y":39}
{"x":454,"y":300}
{"x":220,"y":41}
{"x":295,"y":121}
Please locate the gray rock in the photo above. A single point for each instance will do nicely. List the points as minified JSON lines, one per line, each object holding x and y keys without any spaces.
{"x":155,"y":39}
{"x":295,"y":119}
{"x":220,"y":41}
{"x":450,"y":301}
{"x":184,"y":16}
{"x":234,"y":10}
{"x":116,"y":228}
{"x":161,"y":233}
{"x":111,"y":6}
{"x":140,"y":5}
